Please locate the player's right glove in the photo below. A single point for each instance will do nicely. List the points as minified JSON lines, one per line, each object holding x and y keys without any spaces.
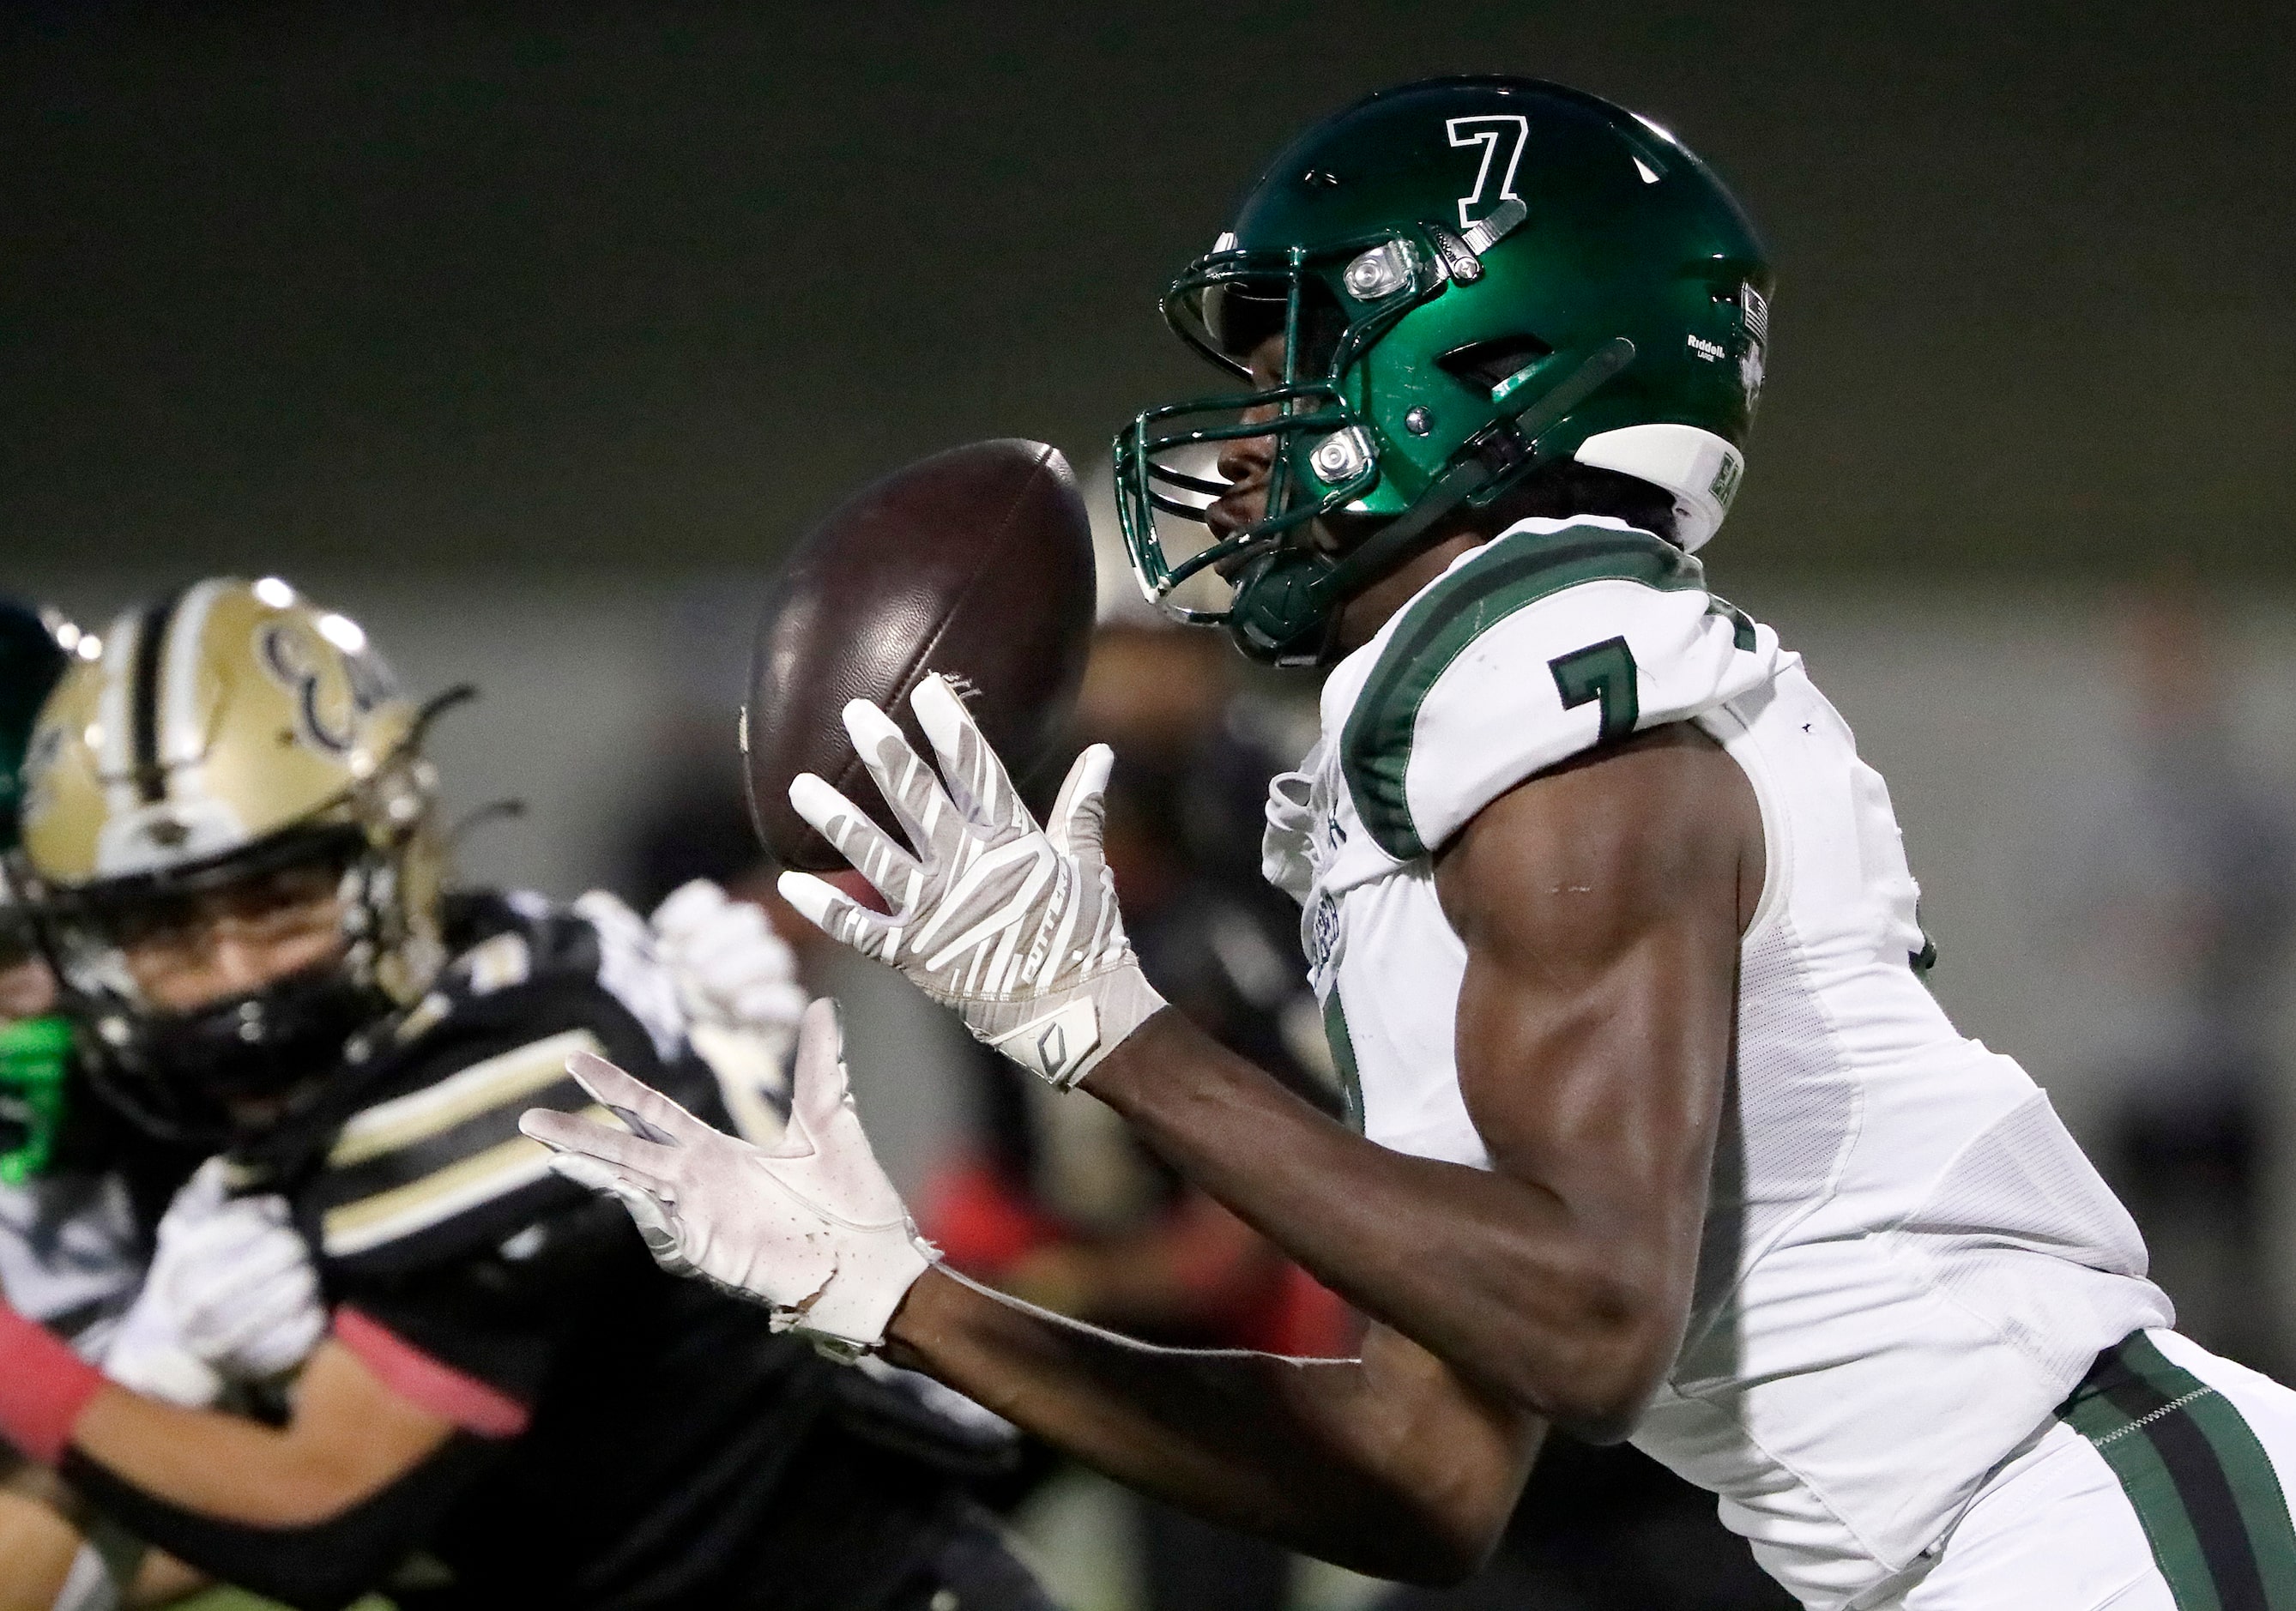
{"x":1013,"y":925}
{"x":809,"y":1226}
{"x":231,"y":1295}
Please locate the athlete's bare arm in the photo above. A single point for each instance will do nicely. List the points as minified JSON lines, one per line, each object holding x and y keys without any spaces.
{"x":349,"y":1438}
{"x":37,"y":1545}
{"x":1388,"y":1463}
{"x":38,"y":1550}
{"x":316,"y":1511}
{"x":41,"y":1538}
{"x":1600,"y":905}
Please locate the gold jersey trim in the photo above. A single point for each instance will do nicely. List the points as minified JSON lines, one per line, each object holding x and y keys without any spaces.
{"x":482,"y":1087}
{"x":500,"y":1170}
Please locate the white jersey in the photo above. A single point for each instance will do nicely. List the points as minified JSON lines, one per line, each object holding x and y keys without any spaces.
{"x":1907,"y":1261}
{"x":70,"y":1256}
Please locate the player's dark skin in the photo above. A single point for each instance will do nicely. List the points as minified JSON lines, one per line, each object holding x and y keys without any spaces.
{"x":1601,"y":905}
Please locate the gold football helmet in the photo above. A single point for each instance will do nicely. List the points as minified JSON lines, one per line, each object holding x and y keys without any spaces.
{"x":230,"y":733}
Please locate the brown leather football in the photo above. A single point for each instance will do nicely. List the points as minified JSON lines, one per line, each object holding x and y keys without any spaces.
{"x":975,"y":563}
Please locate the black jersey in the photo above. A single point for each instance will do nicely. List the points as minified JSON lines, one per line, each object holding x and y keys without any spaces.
{"x":633,"y":1441}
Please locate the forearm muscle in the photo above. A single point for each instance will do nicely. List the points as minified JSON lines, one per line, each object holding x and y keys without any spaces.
{"x":1385,"y":1463}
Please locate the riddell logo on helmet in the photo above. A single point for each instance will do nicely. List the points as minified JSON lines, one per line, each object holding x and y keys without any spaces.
{"x":1711,"y":351}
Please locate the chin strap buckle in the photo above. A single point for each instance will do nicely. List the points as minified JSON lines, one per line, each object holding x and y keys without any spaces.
{"x":1494,"y":226}
{"x":1463,"y":253}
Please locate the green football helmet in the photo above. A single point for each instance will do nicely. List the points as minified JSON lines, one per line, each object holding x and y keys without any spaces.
{"x":34,"y":1053}
{"x":1472,"y":277}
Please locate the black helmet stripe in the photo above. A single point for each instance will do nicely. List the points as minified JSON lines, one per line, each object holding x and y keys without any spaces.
{"x":143,"y":695}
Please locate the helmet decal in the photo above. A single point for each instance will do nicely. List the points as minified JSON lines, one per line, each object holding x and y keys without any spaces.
{"x":333,"y":692}
{"x":1754,"y":313}
{"x":1756,"y":308}
{"x":1490,"y":131}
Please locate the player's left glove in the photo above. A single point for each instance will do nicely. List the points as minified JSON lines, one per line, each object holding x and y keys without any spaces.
{"x":231,"y":1295}
{"x":810,"y":1226}
{"x":1013,"y":925}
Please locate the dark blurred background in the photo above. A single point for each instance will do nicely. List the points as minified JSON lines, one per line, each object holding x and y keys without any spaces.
{"x":529,"y":336}
{"x":598,"y":287}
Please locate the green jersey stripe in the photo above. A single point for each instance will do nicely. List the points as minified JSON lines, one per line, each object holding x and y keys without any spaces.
{"x":2145,"y":1478}
{"x":2160,"y":1504}
{"x":2205,"y":1492}
{"x":1343,"y":1058}
{"x":1742,"y":624}
{"x":1516,"y":572}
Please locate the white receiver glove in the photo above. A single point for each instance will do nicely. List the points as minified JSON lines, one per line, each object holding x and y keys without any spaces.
{"x":737,"y":981}
{"x":1013,"y":924}
{"x":810,"y":1226}
{"x":231,"y":1295}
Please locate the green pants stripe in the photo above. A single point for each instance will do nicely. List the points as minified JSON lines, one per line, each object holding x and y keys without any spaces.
{"x":2202,"y":1486}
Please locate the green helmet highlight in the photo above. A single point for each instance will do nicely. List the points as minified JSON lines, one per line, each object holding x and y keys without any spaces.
{"x":34,"y":1053}
{"x":1472,"y":278}
{"x":35,"y":1063}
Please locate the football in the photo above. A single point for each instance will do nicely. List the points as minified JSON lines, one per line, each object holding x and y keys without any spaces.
{"x":975,"y":563}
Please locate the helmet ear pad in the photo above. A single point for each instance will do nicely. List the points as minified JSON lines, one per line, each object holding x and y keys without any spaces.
{"x":1697,"y":470}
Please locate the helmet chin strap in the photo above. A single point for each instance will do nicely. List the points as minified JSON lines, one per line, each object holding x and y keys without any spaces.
{"x":1287,"y":605}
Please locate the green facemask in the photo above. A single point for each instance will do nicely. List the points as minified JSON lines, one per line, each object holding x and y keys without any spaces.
{"x":34,"y":1059}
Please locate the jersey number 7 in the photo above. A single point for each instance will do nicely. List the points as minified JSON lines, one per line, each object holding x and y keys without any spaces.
{"x":1604,"y":671}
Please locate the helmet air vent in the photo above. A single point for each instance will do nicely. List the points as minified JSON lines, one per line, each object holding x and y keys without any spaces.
{"x":1493,"y":367}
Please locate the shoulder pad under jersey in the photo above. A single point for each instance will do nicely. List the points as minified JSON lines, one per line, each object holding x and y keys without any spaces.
{"x":1548,"y":640}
